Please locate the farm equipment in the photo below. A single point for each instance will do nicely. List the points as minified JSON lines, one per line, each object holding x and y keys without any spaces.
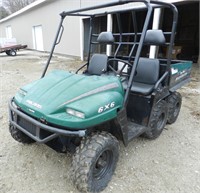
{"x":10,"y":46}
{"x":12,"y":50}
{"x":111,"y":98}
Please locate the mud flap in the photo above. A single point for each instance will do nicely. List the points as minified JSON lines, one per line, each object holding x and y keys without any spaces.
{"x":123,"y":122}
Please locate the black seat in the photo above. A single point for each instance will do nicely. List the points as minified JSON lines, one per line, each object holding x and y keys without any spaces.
{"x":147,"y":74}
{"x":97,"y":64}
{"x":106,"y":38}
{"x":154,"y":37}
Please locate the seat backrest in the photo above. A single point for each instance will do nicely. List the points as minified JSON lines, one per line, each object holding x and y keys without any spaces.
{"x":147,"y":71}
{"x":98,"y":64}
{"x":105,"y":38}
{"x":154,"y":37}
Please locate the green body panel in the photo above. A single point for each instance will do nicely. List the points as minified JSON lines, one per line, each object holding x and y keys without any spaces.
{"x":180,"y":71}
{"x":98,"y":97}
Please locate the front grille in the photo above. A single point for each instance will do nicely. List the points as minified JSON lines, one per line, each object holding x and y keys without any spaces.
{"x":30,"y":127}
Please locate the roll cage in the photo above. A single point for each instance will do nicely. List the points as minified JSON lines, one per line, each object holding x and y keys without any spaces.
{"x":138,"y":37}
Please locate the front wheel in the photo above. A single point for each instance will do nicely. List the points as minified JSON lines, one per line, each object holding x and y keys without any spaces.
{"x":8,"y":52}
{"x":19,"y":135}
{"x":94,"y":162}
{"x":157,"y":120}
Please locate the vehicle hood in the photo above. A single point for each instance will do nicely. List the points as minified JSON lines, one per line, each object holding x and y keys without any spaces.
{"x":60,"y":89}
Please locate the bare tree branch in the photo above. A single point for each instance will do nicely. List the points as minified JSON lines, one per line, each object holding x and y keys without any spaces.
{"x":3,"y":12}
{"x":15,"y":5}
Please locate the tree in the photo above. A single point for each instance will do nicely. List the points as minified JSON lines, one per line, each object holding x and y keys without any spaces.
{"x":3,"y":12}
{"x":15,"y":5}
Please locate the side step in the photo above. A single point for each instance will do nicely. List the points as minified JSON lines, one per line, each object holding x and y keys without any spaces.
{"x":130,"y":130}
{"x":134,"y":130}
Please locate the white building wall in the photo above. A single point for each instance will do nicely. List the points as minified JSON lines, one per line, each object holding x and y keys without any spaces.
{"x":46,"y":15}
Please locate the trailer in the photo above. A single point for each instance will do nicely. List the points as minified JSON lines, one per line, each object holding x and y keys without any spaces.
{"x":12,"y":50}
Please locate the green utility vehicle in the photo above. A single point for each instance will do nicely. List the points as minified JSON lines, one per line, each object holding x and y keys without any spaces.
{"x":114,"y":97}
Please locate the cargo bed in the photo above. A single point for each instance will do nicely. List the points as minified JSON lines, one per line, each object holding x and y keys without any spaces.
{"x":180,"y":73}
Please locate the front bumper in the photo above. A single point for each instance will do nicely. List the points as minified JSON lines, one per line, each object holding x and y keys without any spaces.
{"x":37,"y":130}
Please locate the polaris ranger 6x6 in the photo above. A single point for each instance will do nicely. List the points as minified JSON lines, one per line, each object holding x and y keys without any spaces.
{"x":120,"y":93}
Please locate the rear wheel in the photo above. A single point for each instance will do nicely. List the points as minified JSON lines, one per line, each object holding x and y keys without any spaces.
{"x":13,"y":53}
{"x":157,"y":121}
{"x":174,"y":106}
{"x":19,"y":135}
{"x":94,"y":162}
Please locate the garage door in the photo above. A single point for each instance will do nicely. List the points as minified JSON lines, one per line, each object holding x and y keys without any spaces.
{"x":38,"y":38}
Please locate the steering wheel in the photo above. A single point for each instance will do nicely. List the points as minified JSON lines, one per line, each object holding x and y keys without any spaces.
{"x":118,"y":73}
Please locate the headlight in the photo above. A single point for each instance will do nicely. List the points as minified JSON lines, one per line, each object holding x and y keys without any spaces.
{"x":75,"y":113}
{"x":22,"y":92}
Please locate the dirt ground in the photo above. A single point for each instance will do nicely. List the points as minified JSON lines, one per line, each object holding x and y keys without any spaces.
{"x":169,"y":164}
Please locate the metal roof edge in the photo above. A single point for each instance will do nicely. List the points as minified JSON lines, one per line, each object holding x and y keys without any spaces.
{"x":38,"y":2}
{"x":28,"y":7}
{"x":176,"y":1}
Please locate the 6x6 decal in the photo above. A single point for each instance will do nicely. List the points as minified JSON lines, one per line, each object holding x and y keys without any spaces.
{"x":106,"y":107}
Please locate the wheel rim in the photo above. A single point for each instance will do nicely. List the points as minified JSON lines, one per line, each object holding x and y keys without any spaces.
{"x":12,"y":53}
{"x":103,"y":164}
